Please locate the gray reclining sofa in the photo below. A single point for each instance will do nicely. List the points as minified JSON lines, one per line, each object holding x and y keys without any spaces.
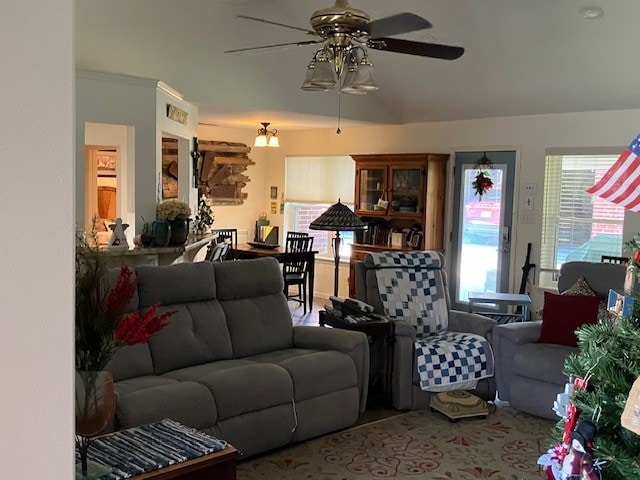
{"x":232,"y":365}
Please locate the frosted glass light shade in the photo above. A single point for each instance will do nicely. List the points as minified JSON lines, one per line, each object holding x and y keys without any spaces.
{"x":323,"y":74}
{"x":273,"y":141}
{"x":261,"y":141}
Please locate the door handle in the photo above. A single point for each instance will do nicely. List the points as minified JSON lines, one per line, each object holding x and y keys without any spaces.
{"x":506,"y":234}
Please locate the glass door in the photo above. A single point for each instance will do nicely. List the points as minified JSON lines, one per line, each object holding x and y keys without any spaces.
{"x":372,"y":186}
{"x":406,"y":185}
{"x":481,"y":238}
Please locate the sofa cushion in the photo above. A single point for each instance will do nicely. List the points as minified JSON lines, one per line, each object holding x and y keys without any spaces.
{"x":248,"y":278}
{"x":178,"y":283}
{"x":131,"y":385}
{"x":195,"y":373}
{"x":542,"y":361}
{"x":582,"y":287}
{"x":248,"y":388}
{"x":251,"y":294}
{"x":197,"y":333}
{"x":319,"y":373}
{"x":130,"y":361}
{"x":314,"y":373}
{"x":186,"y":402}
{"x":563,"y":314}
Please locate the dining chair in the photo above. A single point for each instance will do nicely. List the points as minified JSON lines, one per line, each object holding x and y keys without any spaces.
{"x":230,"y":234}
{"x":297,"y":235}
{"x":295,"y":272}
{"x":613,"y":259}
{"x":217,"y":251}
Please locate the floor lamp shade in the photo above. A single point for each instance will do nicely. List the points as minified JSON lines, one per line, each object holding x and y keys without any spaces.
{"x":337,"y":218}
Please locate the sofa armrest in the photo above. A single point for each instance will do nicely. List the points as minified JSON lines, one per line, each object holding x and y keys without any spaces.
{"x":466,"y":322}
{"x":354,"y":344}
{"x":506,"y":341}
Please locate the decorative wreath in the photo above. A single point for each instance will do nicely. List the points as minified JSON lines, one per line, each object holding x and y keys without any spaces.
{"x":483,"y":183}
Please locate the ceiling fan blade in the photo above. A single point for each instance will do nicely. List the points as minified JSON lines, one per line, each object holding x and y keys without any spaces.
{"x":262,"y":20}
{"x":433,"y":50}
{"x":263,"y":47}
{"x":397,"y":24}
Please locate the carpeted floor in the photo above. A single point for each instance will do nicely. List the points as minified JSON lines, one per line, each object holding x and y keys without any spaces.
{"x":416,"y":445}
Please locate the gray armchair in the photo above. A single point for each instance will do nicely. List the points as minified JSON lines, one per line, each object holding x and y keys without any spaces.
{"x":406,"y":391}
{"x":529,"y":374}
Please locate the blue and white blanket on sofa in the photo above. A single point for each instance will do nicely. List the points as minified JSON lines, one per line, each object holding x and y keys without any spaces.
{"x":411,"y":287}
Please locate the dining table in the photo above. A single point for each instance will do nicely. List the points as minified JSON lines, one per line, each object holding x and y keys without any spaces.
{"x":246,"y":251}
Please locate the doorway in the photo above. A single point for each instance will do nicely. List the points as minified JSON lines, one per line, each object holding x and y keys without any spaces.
{"x":481,"y":226}
{"x":102,"y":197}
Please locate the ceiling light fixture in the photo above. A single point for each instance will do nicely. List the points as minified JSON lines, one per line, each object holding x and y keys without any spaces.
{"x":266,"y":137}
{"x":591,"y":12}
{"x":326,"y":69}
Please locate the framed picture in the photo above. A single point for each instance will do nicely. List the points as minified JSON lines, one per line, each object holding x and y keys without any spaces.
{"x":274,"y":193}
{"x":106,"y":164}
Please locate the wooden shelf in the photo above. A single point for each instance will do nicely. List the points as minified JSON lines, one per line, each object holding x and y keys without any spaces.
{"x":430,"y":195}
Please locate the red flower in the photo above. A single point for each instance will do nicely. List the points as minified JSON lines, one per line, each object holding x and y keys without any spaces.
{"x":139,"y":327}
{"x":482,"y":183}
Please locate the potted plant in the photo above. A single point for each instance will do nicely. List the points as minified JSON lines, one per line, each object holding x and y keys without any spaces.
{"x":204,"y":218}
{"x":177,"y":213}
{"x":103,"y":324}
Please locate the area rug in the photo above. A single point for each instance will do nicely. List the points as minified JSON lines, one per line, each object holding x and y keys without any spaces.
{"x":415,"y":445}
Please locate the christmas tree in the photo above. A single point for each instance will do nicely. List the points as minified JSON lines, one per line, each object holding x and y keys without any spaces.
{"x":601,"y":375}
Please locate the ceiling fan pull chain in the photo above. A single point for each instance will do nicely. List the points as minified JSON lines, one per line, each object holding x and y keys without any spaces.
{"x":338,"y":131}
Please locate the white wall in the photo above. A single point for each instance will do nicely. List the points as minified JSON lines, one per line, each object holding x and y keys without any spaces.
{"x":120,"y":100}
{"x":36,"y":240}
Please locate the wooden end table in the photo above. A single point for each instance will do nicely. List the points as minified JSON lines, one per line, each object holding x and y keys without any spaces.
{"x":373,"y":329}
{"x":219,"y":465}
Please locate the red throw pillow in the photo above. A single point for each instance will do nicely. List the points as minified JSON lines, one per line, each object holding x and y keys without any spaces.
{"x":563,"y":314}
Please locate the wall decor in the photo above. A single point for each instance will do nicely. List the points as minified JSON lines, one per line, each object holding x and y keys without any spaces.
{"x":177,"y":114}
{"x":222,"y":171}
{"x":274,"y":193}
{"x":169,"y":168}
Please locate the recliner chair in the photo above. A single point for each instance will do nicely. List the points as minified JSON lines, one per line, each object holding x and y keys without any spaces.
{"x":406,"y":391}
{"x":529,"y":374}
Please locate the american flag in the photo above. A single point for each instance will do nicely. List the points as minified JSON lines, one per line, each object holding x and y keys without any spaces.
{"x":621,"y":183}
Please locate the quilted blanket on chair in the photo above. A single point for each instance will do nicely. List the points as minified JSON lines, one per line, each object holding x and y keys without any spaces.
{"x":411,"y":288}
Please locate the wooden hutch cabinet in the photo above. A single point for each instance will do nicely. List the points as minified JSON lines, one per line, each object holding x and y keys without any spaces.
{"x":401,"y":197}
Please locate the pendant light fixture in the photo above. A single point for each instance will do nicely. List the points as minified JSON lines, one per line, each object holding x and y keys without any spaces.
{"x":266,"y":137}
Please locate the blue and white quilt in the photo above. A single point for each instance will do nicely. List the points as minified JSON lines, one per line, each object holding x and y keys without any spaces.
{"x":411,"y":287}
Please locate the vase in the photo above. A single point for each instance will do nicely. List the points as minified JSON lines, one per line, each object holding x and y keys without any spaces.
{"x":146,"y":235}
{"x":95,"y":403}
{"x":179,"y":231}
{"x":160,"y":233}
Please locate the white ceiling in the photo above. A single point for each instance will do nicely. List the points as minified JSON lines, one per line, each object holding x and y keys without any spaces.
{"x":522,"y":57}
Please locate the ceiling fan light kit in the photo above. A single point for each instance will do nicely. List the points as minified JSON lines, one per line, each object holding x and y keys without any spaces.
{"x":266,"y":137}
{"x":325,"y":71}
{"x":345,"y":34}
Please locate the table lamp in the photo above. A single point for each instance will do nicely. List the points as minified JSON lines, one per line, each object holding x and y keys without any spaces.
{"x":337,"y":218}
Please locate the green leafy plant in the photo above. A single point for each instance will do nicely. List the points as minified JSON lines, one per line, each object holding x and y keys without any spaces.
{"x":205,"y":217}
{"x":172,"y":209}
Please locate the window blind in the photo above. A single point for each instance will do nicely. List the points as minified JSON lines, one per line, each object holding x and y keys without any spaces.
{"x":320,"y":179}
{"x":571,"y":216}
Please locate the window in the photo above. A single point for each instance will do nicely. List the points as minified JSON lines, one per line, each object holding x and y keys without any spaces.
{"x":576,"y":226}
{"x":312,"y":185}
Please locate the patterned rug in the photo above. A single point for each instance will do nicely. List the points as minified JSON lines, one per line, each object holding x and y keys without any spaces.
{"x":415,"y":445}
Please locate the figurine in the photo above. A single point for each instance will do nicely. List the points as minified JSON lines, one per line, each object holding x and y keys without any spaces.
{"x":118,"y":240}
{"x":578,"y":464}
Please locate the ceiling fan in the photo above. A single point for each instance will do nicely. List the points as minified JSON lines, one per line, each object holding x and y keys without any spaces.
{"x":345,"y":34}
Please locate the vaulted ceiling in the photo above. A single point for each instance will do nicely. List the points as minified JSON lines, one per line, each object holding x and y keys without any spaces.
{"x":521,"y":57}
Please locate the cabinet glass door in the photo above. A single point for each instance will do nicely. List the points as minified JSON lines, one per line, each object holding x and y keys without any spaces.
{"x":405,"y":190}
{"x":372,"y":187}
